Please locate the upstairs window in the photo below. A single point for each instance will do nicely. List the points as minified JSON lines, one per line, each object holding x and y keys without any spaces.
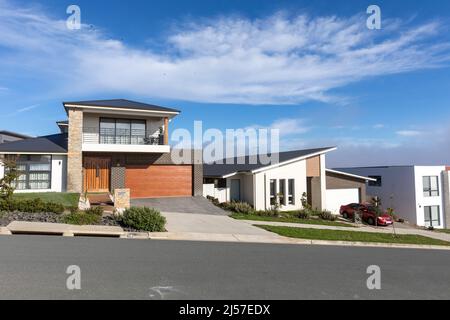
{"x":122,"y":131}
{"x":431,"y":186}
{"x":377,"y":183}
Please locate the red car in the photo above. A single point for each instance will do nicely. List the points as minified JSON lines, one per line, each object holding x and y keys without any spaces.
{"x":368,"y":214}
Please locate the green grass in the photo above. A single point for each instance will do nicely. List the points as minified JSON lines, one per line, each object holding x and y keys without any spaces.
{"x":338,"y":235}
{"x":66,"y":199}
{"x":290,"y":219}
{"x":442,"y":230}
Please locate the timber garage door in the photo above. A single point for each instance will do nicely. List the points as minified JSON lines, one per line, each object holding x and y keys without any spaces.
{"x":335,"y":198}
{"x":159,"y":181}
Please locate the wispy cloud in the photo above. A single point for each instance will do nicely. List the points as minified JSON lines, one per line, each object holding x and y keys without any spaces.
{"x":409,"y":133}
{"x":279,"y":59}
{"x":22,"y":110}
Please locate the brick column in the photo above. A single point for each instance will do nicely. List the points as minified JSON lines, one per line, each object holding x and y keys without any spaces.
{"x":166,"y":131}
{"x":75,"y":155}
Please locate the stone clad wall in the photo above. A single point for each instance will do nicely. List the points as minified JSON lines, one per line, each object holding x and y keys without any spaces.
{"x":74,"y":155}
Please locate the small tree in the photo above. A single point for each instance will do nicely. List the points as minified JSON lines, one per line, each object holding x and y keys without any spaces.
{"x":376,"y":202}
{"x":7,"y":182}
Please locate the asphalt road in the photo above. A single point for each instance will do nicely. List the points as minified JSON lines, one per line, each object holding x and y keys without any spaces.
{"x":34,"y":267}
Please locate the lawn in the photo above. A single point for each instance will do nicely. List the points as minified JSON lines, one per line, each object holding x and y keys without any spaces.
{"x":442,"y":230}
{"x":338,"y":235}
{"x":291,"y":219}
{"x":66,"y":199}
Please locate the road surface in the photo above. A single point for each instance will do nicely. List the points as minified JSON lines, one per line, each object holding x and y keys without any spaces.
{"x":34,"y":267}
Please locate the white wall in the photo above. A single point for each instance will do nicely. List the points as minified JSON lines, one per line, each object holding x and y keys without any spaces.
{"x":220,"y":194}
{"x":402,"y":189}
{"x":421,"y":200}
{"x":296,"y":170}
{"x":59,"y":176}
{"x":397,"y":190}
{"x":2,"y":170}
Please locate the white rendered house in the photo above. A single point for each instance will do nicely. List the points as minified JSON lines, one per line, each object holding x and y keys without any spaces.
{"x":419,"y":194}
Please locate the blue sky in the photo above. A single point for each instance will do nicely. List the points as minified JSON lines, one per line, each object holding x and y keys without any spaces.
{"x":311,"y":69}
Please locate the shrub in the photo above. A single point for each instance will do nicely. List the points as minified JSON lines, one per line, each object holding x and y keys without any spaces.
{"x":238,"y":207}
{"x":95,"y":211}
{"x":327,"y":215}
{"x":215,"y":201}
{"x":7,"y":182}
{"x":82,"y":218}
{"x":303,"y":214}
{"x":31,"y":206}
{"x":268,"y":213}
{"x":144,"y":219}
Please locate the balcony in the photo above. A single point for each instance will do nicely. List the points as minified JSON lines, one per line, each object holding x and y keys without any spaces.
{"x":124,"y":140}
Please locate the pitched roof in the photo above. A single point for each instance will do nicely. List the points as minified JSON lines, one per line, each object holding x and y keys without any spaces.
{"x":122,"y":104}
{"x":346,"y":174}
{"x":217,"y":170}
{"x":14,"y":134}
{"x":56,"y":143}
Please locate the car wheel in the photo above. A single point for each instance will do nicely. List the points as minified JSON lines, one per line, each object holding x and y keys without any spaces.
{"x":371,"y":221}
{"x":345,"y":215}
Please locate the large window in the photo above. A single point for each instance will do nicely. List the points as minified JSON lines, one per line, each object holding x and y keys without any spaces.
{"x":291,"y":191}
{"x":35,"y":172}
{"x":377,"y":183}
{"x":432,"y":218}
{"x":273,"y":192}
{"x":122,"y":131}
{"x":431,"y":186}
{"x":283,"y":191}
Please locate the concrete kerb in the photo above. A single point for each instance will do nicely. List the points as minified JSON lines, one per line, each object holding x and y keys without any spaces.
{"x":71,"y":231}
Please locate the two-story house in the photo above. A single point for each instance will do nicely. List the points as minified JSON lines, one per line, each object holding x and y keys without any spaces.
{"x":105,"y":145}
{"x":419,"y":194}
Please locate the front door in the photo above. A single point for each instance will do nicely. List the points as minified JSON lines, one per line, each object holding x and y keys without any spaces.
{"x":235,"y":192}
{"x":96,"y":174}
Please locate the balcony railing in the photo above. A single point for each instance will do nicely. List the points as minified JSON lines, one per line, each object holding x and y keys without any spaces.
{"x":122,"y":136}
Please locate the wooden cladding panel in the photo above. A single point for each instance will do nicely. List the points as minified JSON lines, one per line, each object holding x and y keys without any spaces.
{"x":96,"y":174}
{"x":313,"y":167}
{"x":159,"y":181}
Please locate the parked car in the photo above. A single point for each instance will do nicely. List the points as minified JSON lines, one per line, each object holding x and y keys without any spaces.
{"x":368,"y":214}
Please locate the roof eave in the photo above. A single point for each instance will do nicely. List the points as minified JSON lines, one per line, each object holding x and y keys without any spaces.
{"x":293,"y":160}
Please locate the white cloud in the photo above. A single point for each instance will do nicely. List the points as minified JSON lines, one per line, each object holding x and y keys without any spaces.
{"x":274,"y":60}
{"x":409,"y":133}
{"x":378,"y":126}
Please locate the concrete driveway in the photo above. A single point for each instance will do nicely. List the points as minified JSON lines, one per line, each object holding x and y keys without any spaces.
{"x":198,"y":215}
{"x":213,"y":224}
{"x":197,"y":205}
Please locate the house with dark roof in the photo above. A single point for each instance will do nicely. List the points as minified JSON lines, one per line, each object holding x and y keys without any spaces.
{"x":121,"y":144}
{"x":102,"y":146}
{"x":285,"y":183}
{"x":9,"y":136}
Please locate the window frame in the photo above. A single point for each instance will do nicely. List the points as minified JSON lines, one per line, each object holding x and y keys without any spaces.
{"x":273,"y":197}
{"x":27,"y":172}
{"x":429,"y":192}
{"x":282,"y":191}
{"x":431,"y":216}
{"x":378,"y":183}
{"x":129,"y":138}
{"x":291,"y":192}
